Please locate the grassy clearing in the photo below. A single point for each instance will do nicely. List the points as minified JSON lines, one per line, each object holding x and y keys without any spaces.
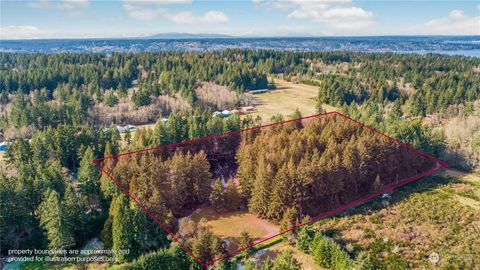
{"x":474,"y":178}
{"x":230,"y":225}
{"x":285,"y":99}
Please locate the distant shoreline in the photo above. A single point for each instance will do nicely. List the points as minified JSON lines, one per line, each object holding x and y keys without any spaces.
{"x":448,"y":45}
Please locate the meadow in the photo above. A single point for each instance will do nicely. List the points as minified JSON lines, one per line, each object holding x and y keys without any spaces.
{"x":285,"y":99}
{"x":231,"y":224}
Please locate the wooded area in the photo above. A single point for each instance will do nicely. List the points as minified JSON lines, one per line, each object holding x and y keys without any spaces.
{"x":60,"y":111}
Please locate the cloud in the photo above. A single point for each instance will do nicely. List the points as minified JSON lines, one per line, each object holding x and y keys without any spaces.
{"x":340,"y":14}
{"x":22,"y":32}
{"x":158,"y":2}
{"x":68,"y":5}
{"x":146,"y":10}
{"x":143,"y":13}
{"x":186,"y":17}
{"x":455,"y":23}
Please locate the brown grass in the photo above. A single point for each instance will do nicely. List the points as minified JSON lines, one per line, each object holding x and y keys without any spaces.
{"x":231,"y":224}
{"x":286,"y":99}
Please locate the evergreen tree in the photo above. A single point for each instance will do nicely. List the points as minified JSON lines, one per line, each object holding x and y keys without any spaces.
{"x":202,"y":244}
{"x":54,"y":220}
{"x":217,"y":197}
{"x":286,"y":261}
{"x":75,"y":215}
{"x":88,"y":174}
{"x":233,"y":199}
{"x":245,"y":241}
{"x":107,"y":186}
{"x":122,"y":230}
{"x":304,"y":238}
{"x":128,"y":136}
{"x":260,"y":200}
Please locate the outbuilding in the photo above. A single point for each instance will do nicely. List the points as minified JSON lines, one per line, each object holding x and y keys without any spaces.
{"x":248,"y":108}
{"x":4,"y":146}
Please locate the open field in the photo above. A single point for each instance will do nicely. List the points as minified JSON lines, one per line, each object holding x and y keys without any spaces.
{"x":230,"y":225}
{"x":285,"y":99}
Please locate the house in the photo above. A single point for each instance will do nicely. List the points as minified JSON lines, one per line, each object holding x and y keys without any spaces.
{"x":248,"y":108}
{"x":258,"y":91}
{"x":4,"y":146}
{"x":226,"y":113}
{"x":217,"y":113}
{"x":121,"y":129}
{"x":131,"y":128}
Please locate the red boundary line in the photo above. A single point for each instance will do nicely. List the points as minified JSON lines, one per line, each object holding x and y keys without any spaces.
{"x":327,"y":214}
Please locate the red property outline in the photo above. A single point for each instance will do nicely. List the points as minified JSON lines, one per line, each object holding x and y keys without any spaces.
{"x":388,"y":188}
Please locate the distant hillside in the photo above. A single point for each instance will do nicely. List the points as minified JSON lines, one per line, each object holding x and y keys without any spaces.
{"x":175,"y":35}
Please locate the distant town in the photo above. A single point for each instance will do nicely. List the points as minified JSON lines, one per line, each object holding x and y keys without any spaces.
{"x":458,"y":45}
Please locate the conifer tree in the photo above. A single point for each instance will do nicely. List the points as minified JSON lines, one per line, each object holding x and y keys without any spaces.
{"x":88,"y":174}
{"x":75,"y":215}
{"x":128,"y":136}
{"x":217,"y":196}
{"x":260,"y":200}
{"x":286,"y":261}
{"x":122,"y":230}
{"x":107,"y":186}
{"x":160,"y":134}
{"x":233,"y":198}
{"x":296,"y":115}
{"x":201,"y":246}
{"x":54,"y":221}
{"x":245,"y":241}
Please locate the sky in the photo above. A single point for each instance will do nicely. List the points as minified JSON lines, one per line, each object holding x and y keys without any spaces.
{"x":23,"y":19}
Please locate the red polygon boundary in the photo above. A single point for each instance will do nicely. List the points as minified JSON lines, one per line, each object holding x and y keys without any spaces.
{"x":440,"y":166}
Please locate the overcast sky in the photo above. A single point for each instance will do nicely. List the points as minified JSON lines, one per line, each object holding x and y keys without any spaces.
{"x":117,"y":18}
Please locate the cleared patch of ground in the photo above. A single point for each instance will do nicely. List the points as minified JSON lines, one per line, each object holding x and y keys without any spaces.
{"x":470,"y":177}
{"x":286,"y":99}
{"x":230,"y":225}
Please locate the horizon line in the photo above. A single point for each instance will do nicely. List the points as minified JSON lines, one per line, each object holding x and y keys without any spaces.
{"x":226,"y":36}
